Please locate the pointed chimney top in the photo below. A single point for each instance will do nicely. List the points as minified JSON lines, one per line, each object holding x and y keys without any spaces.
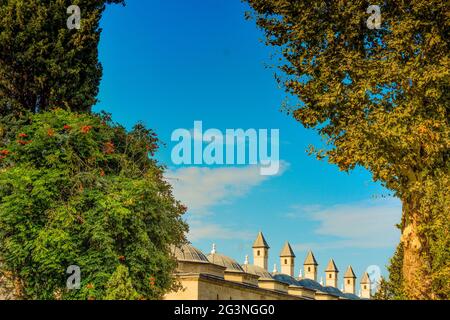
{"x":260,"y":241}
{"x":300,"y":275}
{"x":321,"y":281}
{"x":287,"y":251}
{"x":365,"y":279}
{"x":310,"y":259}
{"x":213,"y":251}
{"x":246,"y":260}
{"x":331,"y":267}
{"x":349,"y":273}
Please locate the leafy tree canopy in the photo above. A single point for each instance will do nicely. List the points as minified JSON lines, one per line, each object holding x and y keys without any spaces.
{"x":77,"y":189}
{"x":43,"y":64}
{"x":381,"y":99}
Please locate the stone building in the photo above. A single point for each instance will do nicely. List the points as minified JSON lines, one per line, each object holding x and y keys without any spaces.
{"x":219,"y":277}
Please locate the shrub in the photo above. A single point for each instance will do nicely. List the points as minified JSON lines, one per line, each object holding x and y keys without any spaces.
{"x":78,"y":189}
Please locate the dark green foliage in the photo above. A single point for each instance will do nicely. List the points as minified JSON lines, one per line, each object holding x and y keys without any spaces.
{"x":119,"y":286}
{"x":43,"y":64}
{"x":76,"y":189}
{"x":435,"y":206}
{"x":392,"y":288}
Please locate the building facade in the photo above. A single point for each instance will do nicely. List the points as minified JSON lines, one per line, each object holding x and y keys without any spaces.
{"x":219,"y":277}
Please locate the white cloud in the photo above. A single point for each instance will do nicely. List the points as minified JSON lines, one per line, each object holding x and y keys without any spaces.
{"x":199,"y":230}
{"x":368,"y":224}
{"x":201,"y":188}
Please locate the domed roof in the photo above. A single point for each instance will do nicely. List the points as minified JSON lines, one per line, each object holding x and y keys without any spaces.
{"x":310,"y":284}
{"x":188,"y":252}
{"x":336,"y":292}
{"x":333,"y":291}
{"x":224,"y":261}
{"x":256,"y":270}
{"x":287,"y":279}
{"x":351,"y":296}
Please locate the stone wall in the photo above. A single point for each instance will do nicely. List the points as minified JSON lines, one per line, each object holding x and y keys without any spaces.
{"x":205,"y":287}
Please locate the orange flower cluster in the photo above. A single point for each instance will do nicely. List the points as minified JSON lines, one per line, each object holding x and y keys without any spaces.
{"x":23,"y":142}
{"x":422,"y":129}
{"x":3,"y":154}
{"x":109,"y":147}
{"x":86,"y":129}
{"x":50,"y":132}
{"x":152,"y":281}
{"x":67,"y":127}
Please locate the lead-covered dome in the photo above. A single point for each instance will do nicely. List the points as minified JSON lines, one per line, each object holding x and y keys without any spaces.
{"x":187,"y":252}
{"x":256,"y":270}
{"x":284,"y":278}
{"x":224,"y":261}
{"x":310,"y":284}
{"x":229,"y":263}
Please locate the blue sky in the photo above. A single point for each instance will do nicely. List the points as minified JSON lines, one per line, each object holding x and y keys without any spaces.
{"x":169,"y":63}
